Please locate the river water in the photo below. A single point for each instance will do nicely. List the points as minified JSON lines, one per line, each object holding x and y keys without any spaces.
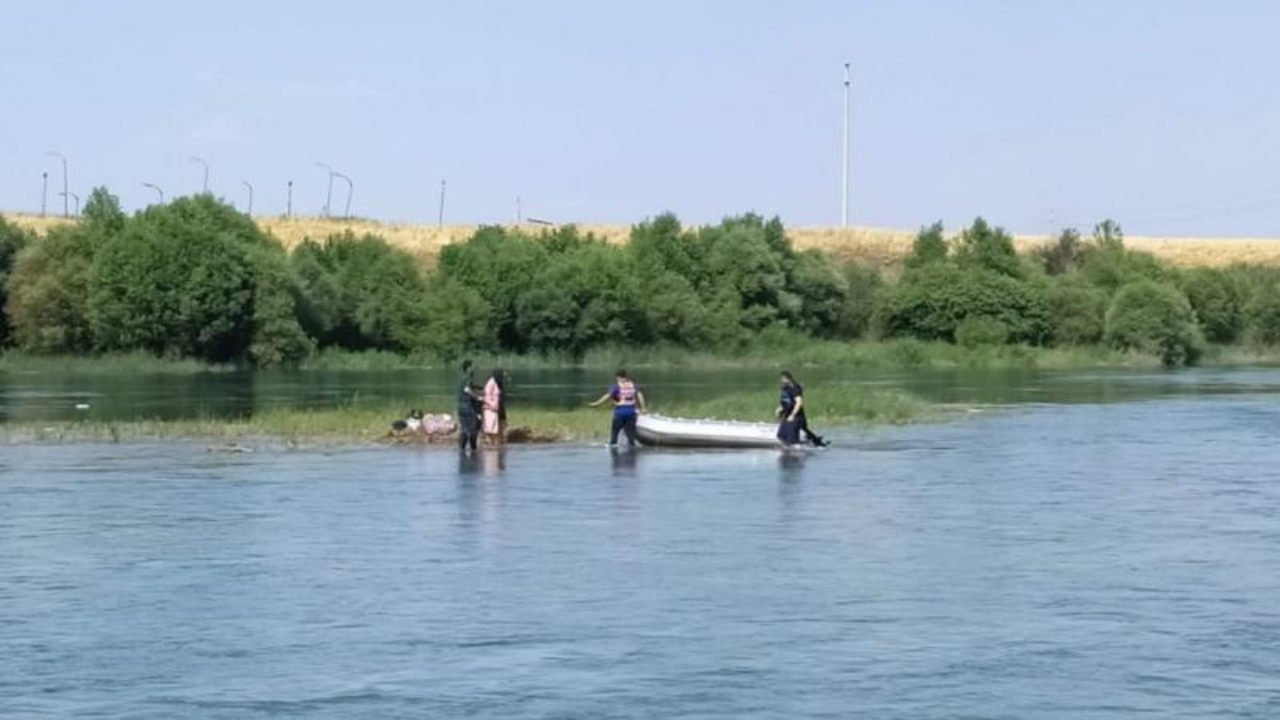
{"x":1044,"y":559}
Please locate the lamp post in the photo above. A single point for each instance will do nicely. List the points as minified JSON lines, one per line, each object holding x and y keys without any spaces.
{"x":844,"y":159}
{"x":204,"y":187}
{"x":65,"y":192}
{"x":288,"y":207}
{"x":351,"y":188}
{"x":44,"y":192}
{"x":440,"y":218}
{"x":328,"y":195}
{"x":250,"y":186}
{"x":157,"y":188}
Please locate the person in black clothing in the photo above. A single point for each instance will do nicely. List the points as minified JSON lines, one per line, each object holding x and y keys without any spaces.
{"x":469,"y":404}
{"x":791,"y":412}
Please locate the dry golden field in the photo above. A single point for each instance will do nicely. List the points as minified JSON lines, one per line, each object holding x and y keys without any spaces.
{"x":881,"y":247}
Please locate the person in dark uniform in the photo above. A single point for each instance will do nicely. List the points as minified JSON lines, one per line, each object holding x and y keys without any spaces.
{"x":791,"y":412}
{"x":628,"y":403}
{"x":469,"y":404}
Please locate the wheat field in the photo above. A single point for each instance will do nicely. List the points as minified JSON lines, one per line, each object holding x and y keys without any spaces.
{"x":880,"y":247}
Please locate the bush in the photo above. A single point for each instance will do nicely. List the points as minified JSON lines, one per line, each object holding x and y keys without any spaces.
{"x":49,"y":293}
{"x":861,"y":301}
{"x":278,"y":338}
{"x":930,"y":246}
{"x":930,"y":302}
{"x":1063,"y":255}
{"x":1218,"y":301}
{"x":1154,"y":318}
{"x":979,"y":330}
{"x":1263,"y":315}
{"x":12,"y":240}
{"x":177,"y":281}
{"x":986,"y":248}
{"x":361,"y":293}
{"x":1077,"y":312}
{"x":459,"y":320}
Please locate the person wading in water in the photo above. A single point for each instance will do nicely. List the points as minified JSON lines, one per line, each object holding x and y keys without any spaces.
{"x":628,"y":403}
{"x":791,"y":412}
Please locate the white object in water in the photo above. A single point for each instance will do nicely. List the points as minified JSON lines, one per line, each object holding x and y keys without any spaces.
{"x":681,"y":432}
{"x":82,"y":406}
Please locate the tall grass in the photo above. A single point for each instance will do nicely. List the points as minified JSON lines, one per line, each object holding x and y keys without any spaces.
{"x":109,"y":364}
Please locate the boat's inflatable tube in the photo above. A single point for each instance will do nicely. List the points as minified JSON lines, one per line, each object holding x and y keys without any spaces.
{"x":664,"y":431}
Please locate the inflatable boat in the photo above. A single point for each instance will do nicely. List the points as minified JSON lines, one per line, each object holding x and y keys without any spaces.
{"x":664,"y":431}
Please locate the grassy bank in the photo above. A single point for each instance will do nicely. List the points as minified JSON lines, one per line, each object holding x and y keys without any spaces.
{"x":834,"y":405}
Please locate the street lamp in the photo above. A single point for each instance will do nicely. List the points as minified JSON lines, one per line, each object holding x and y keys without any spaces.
{"x":65,"y":193}
{"x":196,"y":159}
{"x":288,"y":208}
{"x":440,"y":219}
{"x":157,"y":188}
{"x":250,"y":186}
{"x":44,"y":191}
{"x":328,"y":195}
{"x":351,"y":188}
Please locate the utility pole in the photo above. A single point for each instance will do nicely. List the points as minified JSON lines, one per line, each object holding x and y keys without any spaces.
{"x":844,"y":159}
{"x":288,"y":208}
{"x":519,"y":211}
{"x":247,"y":184}
{"x":440,"y":218}
{"x":204,"y":188}
{"x":66,"y":193}
{"x":44,"y":192}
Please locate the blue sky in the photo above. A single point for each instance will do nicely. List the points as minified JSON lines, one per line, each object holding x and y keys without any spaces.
{"x":1163,"y":115}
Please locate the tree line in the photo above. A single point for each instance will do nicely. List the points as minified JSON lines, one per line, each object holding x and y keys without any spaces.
{"x":194,"y":278}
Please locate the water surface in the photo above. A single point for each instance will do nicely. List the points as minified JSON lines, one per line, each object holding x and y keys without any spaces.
{"x":1046,"y":561}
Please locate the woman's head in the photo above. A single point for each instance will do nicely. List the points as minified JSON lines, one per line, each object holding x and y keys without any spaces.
{"x":621,"y":374}
{"x":788,"y":378}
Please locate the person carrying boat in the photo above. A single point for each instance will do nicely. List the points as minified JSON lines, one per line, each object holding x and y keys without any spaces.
{"x":791,"y":412}
{"x":628,"y":403}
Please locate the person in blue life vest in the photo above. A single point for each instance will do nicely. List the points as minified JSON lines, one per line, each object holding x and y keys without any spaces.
{"x":628,"y":403}
{"x":791,"y":412}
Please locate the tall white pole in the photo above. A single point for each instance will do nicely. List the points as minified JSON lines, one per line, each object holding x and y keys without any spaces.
{"x":844,"y":160}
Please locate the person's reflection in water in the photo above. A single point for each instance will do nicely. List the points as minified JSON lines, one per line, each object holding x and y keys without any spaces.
{"x":624,"y":461}
{"x":493,"y":461}
{"x":468,"y":464}
{"x":790,"y":482}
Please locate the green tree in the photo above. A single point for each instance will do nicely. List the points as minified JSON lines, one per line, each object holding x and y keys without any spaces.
{"x":1157,"y":319}
{"x":49,"y":290}
{"x":1064,"y":255}
{"x":988,"y":248}
{"x":930,"y":302}
{"x":1263,"y":315}
{"x":12,"y":240}
{"x":1077,"y":311}
{"x":178,"y":280}
{"x":1218,"y":301}
{"x":930,"y":246}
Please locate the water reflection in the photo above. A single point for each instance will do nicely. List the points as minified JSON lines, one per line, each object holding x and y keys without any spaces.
{"x":623,"y":462}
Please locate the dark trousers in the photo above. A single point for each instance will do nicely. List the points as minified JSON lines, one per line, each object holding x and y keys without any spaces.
{"x":789,"y":432}
{"x":626,"y":424}
{"x":468,"y":430}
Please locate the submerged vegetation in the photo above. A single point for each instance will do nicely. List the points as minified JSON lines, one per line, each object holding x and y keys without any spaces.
{"x":841,"y":405}
{"x":195,"y":281}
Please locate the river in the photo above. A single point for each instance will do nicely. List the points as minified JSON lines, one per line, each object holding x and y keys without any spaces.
{"x":1082,"y":545}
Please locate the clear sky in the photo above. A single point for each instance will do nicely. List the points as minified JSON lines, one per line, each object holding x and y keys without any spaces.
{"x":1163,"y":114}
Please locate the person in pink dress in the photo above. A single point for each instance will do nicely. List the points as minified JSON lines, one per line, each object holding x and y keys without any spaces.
{"x":495,"y":416}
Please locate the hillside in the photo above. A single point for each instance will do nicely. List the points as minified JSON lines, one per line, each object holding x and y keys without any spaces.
{"x":881,"y":247}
